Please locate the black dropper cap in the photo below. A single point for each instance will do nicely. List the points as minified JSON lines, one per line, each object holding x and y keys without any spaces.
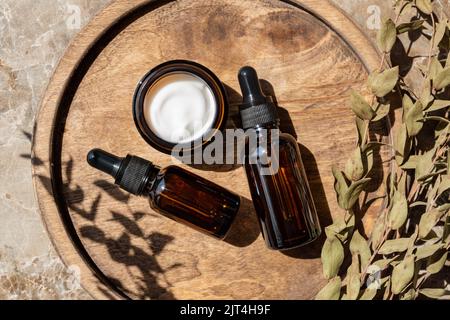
{"x":256,"y":109}
{"x":131,"y":173}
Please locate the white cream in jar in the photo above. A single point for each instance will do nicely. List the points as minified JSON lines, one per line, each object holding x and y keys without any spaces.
{"x":180,"y":107}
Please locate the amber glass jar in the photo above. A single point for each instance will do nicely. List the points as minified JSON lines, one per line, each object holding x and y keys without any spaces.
{"x":152,"y":81}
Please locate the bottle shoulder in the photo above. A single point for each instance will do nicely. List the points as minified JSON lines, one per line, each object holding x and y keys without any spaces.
{"x":287,"y":138}
{"x":168,"y":169}
{"x":172,"y":174}
{"x":281,"y":143}
{"x":173,"y":170}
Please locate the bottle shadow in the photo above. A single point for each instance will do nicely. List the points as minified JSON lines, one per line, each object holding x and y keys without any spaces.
{"x":245,"y":228}
{"x":242,"y":233}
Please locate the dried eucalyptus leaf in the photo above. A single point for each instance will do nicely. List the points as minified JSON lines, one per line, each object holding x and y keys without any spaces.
{"x":331,"y":291}
{"x":336,"y":228}
{"x":383,"y":263}
{"x":427,"y":221}
{"x":425,"y":6}
{"x":381,"y":83}
{"x":386,"y":36}
{"x":387,"y":290}
{"x":444,"y":185}
{"x":410,"y":26}
{"x":411,"y":163}
{"x":427,"y":250}
{"x":417,"y":204}
{"x":433,"y":174}
{"x":354,"y":168}
{"x":381,"y":112}
{"x":441,"y":27}
{"x":437,"y":118}
{"x":436,"y":262}
{"x":444,"y":208}
{"x":435,"y":68}
{"x":340,"y":229}
{"x":332,"y":257}
{"x":391,"y":185}
{"x":399,"y":211}
{"x":374,"y":144}
{"x":414,"y":119}
{"x":402,"y":274}
{"x":395,"y":262}
{"x":360,"y":106}
{"x":340,"y":186}
{"x":350,"y":219}
{"x":343,"y":236}
{"x":368,"y":160}
{"x":377,"y":235}
{"x":359,"y":246}
{"x":446,"y":231}
{"x":396,"y":245}
{"x":353,"y":279}
{"x":407,"y":6}
{"x":433,"y":293}
{"x":401,"y":185}
{"x":448,"y":162}
{"x":353,"y":193}
{"x":408,"y":295}
{"x":425,"y":95}
{"x":361,"y":128}
{"x":442,"y":80}
{"x":424,"y":164}
{"x":438,"y":105}
{"x":412,"y":241}
{"x":368,"y":294}
{"x":402,"y":145}
{"x":407,"y":104}
{"x":441,"y":131}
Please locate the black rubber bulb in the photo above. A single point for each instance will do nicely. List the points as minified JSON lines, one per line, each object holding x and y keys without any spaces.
{"x":252,"y":93}
{"x":104,"y":161}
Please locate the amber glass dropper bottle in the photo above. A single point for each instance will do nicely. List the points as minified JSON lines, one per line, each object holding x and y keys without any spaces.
{"x":173,"y":191}
{"x":282,"y":199}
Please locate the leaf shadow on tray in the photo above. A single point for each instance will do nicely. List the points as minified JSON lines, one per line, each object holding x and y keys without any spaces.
{"x":120,"y":249}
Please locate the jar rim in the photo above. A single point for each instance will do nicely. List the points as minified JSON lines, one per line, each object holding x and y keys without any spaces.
{"x":155,"y":75}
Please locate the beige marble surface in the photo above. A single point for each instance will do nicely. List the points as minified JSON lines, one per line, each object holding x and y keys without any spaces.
{"x":33,"y":36}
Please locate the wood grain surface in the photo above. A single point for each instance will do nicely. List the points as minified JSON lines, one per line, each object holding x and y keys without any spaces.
{"x":308,"y":53}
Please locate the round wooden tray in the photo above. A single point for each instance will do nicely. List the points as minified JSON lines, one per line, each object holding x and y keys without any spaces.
{"x":309,"y":54}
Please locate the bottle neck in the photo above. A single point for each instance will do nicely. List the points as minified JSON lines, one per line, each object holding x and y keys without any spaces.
{"x":151,"y":178}
{"x":264,"y":135}
{"x":267,"y":126}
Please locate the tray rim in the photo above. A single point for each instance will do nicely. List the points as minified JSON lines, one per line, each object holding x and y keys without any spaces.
{"x":67,"y":250}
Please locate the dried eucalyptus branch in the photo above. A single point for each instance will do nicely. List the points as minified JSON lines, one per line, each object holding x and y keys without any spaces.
{"x":410,"y":241}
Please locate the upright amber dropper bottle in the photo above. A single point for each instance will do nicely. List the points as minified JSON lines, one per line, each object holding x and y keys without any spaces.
{"x":173,"y":191}
{"x":281,"y":197}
